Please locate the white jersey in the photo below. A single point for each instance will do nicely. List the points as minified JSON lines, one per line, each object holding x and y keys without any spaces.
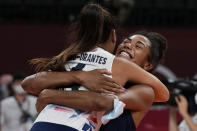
{"x":183,"y":126}
{"x":95,"y":59}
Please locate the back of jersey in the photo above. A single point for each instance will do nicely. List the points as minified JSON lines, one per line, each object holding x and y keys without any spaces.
{"x":95,"y":59}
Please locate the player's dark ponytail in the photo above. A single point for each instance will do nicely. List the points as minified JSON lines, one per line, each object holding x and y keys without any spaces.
{"x":93,"y":27}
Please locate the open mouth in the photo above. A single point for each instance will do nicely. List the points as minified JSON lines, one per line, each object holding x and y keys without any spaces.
{"x":125,"y":54}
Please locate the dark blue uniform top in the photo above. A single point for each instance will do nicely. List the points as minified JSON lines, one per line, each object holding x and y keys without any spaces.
{"x":122,"y":123}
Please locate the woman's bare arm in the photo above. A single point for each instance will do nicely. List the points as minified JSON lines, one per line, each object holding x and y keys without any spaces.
{"x":93,"y":80}
{"x":129,"y":71}
{"x":34,"y":84}
{"x":136,"y":98}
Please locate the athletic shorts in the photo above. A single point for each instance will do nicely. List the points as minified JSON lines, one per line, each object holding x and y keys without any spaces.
{"x":46,"y":126}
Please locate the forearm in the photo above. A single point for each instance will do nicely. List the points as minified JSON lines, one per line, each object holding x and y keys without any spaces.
{"x":172,"y":121}
{"x":191,"y":124}
{"x":34,"y":84}
{"x":136,"y":74}
{"x":83,"y":100}
{"x":138,"y":97}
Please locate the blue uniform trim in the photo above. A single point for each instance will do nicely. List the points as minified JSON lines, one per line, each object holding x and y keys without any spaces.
{"x":46,"y":126}
{"x":124,"y":122}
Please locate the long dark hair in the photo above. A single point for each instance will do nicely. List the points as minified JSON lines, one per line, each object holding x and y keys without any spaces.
{"x":93,"y":27}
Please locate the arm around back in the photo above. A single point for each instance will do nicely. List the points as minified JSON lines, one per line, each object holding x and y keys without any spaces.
{"x":124,"y":70}
{"x":34,"y":84}
{"x":137,"y":97}
{"x":83,"y":100}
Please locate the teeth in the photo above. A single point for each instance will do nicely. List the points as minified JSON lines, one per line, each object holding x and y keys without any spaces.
{"x":125,"y":54}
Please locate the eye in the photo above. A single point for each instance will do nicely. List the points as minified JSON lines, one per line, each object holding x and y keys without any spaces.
{"x":138,"y":47}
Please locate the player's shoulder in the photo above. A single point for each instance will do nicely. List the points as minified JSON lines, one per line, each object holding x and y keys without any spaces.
{"x":120,"y":70}
{"x":124,"y":67}
{"x":122,"y":62}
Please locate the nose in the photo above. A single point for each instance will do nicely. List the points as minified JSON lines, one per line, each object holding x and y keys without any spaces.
{"x":128,"y":45}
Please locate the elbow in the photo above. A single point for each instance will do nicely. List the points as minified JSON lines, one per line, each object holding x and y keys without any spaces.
{"x":161,"y":93}
{"x":166,"y":96}
{"x":44,"y":96}
{"x":27,"y":85}
{"x":163,"y":97}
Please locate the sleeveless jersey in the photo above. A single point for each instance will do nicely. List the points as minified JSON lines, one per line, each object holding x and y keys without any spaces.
{"x":95,"y":59}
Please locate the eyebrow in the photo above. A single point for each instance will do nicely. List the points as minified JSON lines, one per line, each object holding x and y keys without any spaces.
{"x":142,"y":43}
{"x":138,"y":42}
{"x":128,"y":39}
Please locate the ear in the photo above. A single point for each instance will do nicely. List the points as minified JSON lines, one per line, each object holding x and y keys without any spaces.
{"x":148,"y":66}
{"x":114,"y":36}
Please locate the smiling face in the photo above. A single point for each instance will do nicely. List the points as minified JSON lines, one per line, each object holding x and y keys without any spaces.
{"x":136,"y":49}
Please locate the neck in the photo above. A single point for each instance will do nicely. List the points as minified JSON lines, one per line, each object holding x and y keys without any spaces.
{"x":106,"y":46}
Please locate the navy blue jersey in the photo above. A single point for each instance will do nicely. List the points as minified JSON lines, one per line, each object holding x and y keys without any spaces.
{"x":124,"y":122}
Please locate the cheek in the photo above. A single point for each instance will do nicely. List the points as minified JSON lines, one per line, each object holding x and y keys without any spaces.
{"x":119,"y":47}
{"x":140,"y":53}
{"x":140,"y":56}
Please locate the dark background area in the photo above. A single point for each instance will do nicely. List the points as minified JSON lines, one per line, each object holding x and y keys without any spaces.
{"x":20,"y":43}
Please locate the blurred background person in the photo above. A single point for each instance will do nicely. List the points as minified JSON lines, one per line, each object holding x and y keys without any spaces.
{"x":195,"y":76}
{"x":17,"y":111}
{"x":5,"y":80}
{"x":124,"y":8}
{"x":189,"y":122}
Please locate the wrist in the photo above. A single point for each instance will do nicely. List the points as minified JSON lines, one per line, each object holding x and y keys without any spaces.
{"x":78,"y":77}
{"x":44,"y":96}
{"x":184,"y":114}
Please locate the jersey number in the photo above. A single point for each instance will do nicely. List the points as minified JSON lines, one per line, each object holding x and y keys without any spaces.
{"x":78,"y":67}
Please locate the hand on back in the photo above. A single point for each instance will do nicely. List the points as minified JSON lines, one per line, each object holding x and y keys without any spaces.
{"x":97,"y":81}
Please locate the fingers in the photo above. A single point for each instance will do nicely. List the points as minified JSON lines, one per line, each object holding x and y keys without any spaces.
{"x":112,"y":81}
{"x":104,"y":71}
{"x":107,"y":92}
{"x":113,"y":87}
{"x":107,"y":84}
{"x":182,"y":98}
{"x":109,"y":88}
{"x":177,"y":100}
